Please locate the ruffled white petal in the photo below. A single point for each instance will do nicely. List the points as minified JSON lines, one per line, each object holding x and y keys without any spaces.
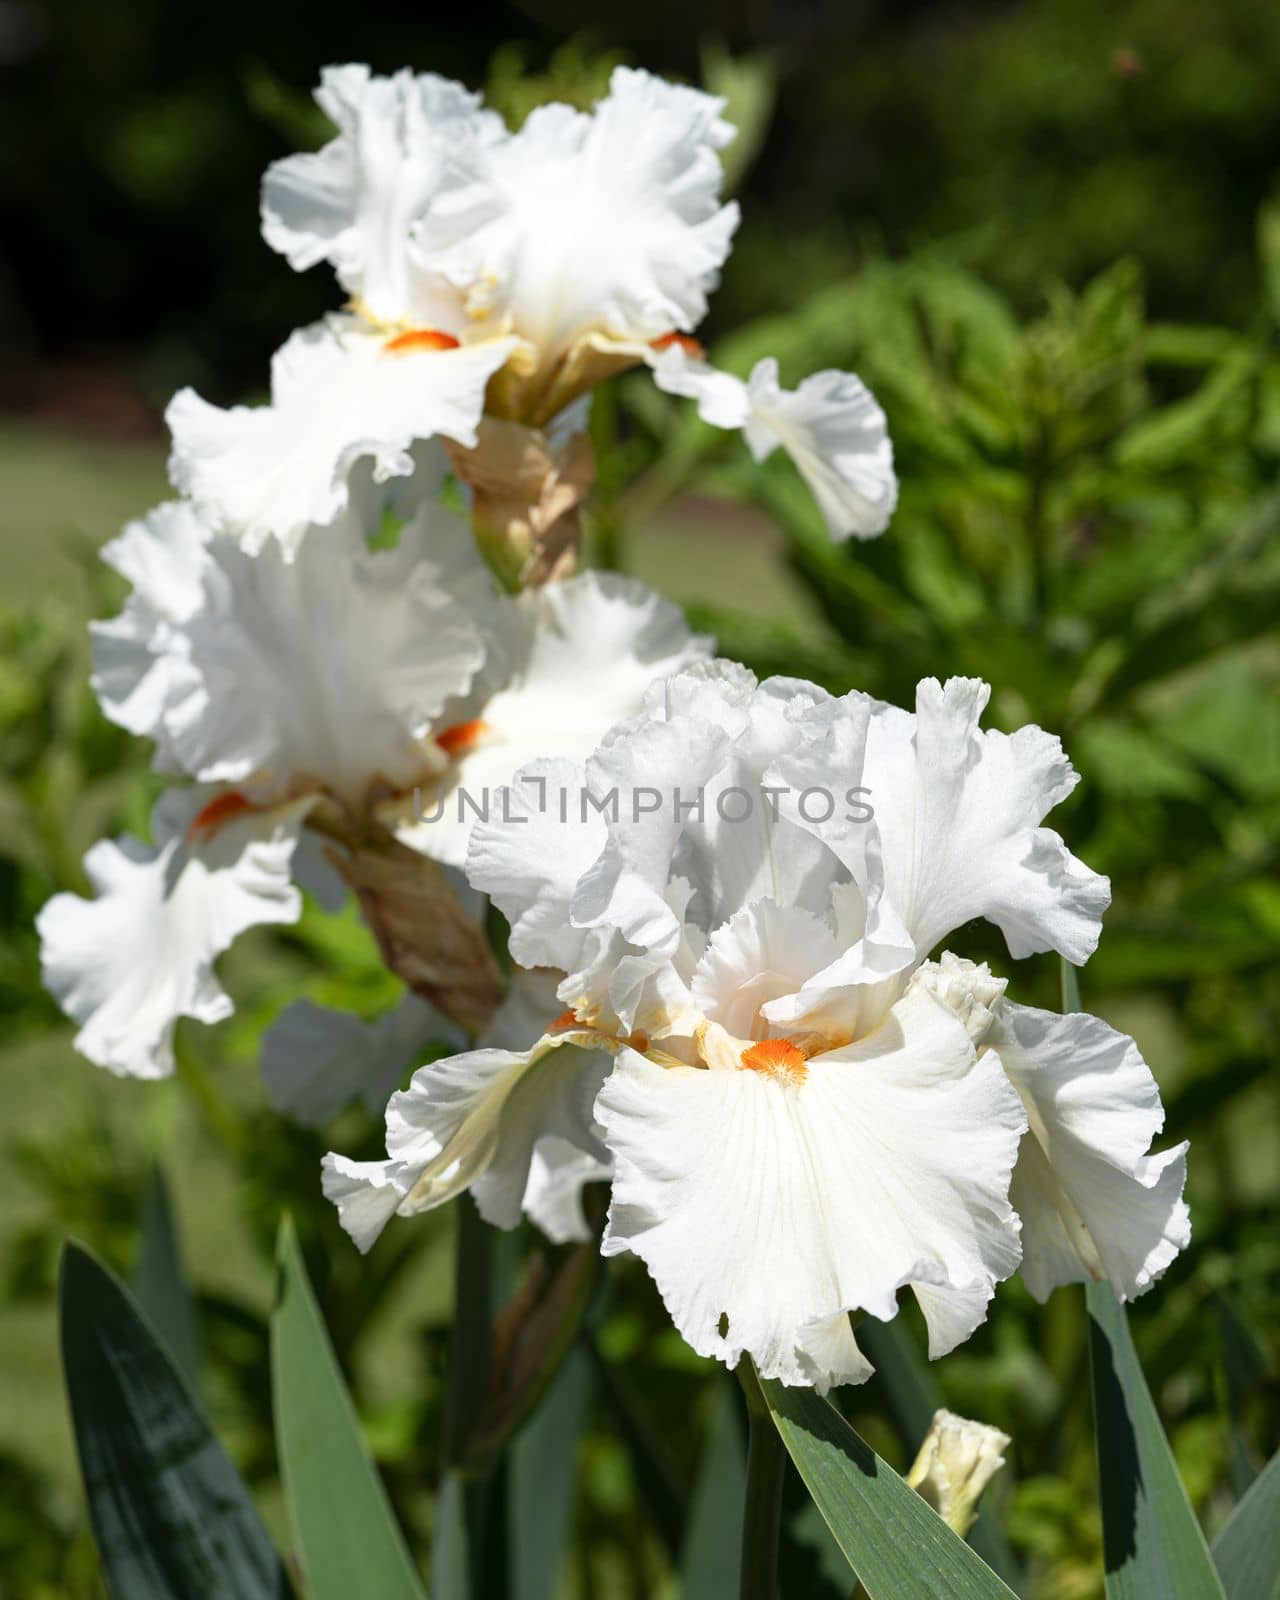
{"x":332,"y":667}
{"x":958,"y":811}
{"x":821,"y":781}
{"x":656,"y":769}
{"x":339,"y":394}
{"x":547,"y":1117}
{"x":128,"y":963}
{"x":834,"y":430}
{"x":558,"y":1173}
{"x":831,"y":426}
{"x":136,"y":654}
{"x":354,"y":202}
{"x":740,"y":845}
{"x":478,"y":1120}
{"x":529,"y":861}
{"x":763,"y":952}
{"x":577,"y":657}
{"x":316,"y":1060}
{"x":366,"y":1194}
{"x":472,"y":1121}
{"x":1094,"y":1203}
{"x":607,"y":223}
{"x":767,"y":1209}
{"x":583,"y":655}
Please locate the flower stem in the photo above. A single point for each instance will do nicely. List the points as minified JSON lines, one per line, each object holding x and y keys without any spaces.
{"x":762,"y":1507}
{"x":469,"y":1355}
{"x":469,"y":1337}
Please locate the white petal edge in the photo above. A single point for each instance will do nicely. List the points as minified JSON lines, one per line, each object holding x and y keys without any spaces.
{"x":338,"y":395}
{"x":354,"y":202}
{"x":471,"y":1121}
{"x":128,"y":963}
{"x":1094,"y":1203}
{"x":832,"y":427}
{"x":958,"y":810}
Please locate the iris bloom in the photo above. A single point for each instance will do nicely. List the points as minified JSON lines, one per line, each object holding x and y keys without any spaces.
{"x":503,"y":273}
{"x":349,"y":693}
{"x":805,"y":1112}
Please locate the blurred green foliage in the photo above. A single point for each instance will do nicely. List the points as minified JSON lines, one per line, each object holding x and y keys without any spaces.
{"x":1088,"y":520}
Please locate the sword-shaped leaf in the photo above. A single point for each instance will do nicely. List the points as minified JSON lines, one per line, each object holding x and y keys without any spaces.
{"x":171,"y":1515}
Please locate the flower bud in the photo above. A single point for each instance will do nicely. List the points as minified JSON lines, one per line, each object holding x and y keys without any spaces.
{"x":956,"y":1462}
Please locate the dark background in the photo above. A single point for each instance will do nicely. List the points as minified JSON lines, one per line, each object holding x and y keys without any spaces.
{"x":1052,"y":136}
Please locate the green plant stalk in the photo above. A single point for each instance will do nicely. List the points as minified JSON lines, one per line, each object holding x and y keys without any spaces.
{"x":762,"y":1505}
{"x":469,"y":1355}
{"x":470,"y":1333}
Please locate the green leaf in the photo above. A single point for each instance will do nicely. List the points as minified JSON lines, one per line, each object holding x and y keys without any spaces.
{"x":1247,"y":1551}
{"x":713,"y":1536}
{"x":1152,"y":1543}
{"x":348,"y":1539}
{"x":914,"y":1395}
{"x":1160,"y":438}
{"x":159,"y":1284}
{"x":898,"y":1546}
{"x":544,"y":1461}
{"x":170,"y":1513}
{"x":1245,"y":1366}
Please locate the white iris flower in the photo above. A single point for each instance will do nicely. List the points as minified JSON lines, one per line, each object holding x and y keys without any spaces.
{"x":355,"y":690}
{"x":502,"y":273}
{"x":805,"y":1113}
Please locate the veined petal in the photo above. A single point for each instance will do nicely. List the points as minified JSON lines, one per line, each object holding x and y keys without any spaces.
{"x":766,"y":1208}
{"x":316,"y":1060}
{"x":548,"y":1143}
{"x":607,"y":223}
{"x":127,"y":964}
{"x":339,"y":393}
{"x":957,"y":811}
{"x":832,"y":427}
{"x":1094,"y":1203}
{"x":763,"y":951}
{"x":325,"y":671}
{"x":354,"y":202}
{"x":472,"y":1121}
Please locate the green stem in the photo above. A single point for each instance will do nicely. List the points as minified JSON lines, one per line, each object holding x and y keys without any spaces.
{"x":762,"y":1508}
{"x":469,"y":1356}
{"x":1069,"y":979}
{"x":469,"y":1335}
